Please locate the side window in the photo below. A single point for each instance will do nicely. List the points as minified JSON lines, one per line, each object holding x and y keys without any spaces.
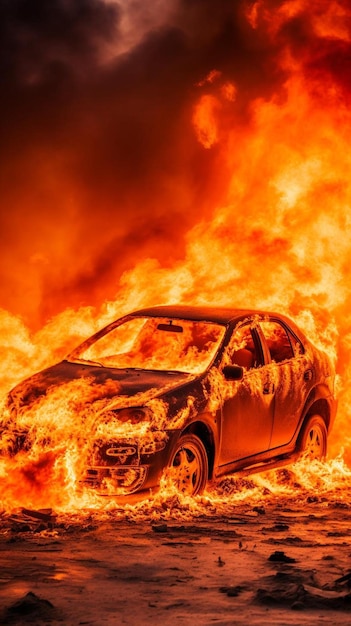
{"x":278,"y":341}
{"x":242,"y":350}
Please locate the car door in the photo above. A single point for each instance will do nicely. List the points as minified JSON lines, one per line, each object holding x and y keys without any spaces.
{"x":292,"y":376}
{"x":247,"y":405}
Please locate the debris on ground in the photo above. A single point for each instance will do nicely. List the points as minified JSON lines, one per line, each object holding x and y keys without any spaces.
{"x":32,"y":520}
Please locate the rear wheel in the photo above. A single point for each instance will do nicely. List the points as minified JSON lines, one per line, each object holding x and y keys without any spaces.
{"x":313,"y":442}
{"x":188,"y":468}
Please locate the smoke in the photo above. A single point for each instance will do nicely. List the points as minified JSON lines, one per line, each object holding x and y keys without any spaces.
{"x":102,"y":162}
{"x":100,"y":165}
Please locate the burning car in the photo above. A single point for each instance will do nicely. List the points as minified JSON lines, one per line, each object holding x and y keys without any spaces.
{"x":186,"y":393}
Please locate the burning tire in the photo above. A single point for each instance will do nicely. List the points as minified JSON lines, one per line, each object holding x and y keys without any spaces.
{"x":189,"y":465}
{"x":313,"y":443}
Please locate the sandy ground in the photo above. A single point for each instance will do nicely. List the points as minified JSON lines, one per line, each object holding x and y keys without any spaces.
{"x":270,"y":559}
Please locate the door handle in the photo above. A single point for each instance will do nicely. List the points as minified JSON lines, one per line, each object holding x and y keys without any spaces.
{"x":308,"y":375}
{"x":268,"y":388}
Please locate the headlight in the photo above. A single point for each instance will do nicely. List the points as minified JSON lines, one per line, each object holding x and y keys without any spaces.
{"x":134,"y":414}
{"x":150,"y":447}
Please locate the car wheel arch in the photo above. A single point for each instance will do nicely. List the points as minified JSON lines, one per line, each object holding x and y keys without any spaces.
{"x":203,"y":431}
{"x":319,"y":407}
{"x":313,"y":438}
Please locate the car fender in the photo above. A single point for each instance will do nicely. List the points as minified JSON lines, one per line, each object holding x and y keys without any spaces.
{"x":206,"y":427}
{"x":319,"y":393}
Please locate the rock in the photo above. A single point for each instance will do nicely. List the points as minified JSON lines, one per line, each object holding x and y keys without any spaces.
{"x":160,"y":528}
{"x":27,"y":609}
{"x":280,"y":557}
{"x":232,"y":592}
{"x":260,"y":510}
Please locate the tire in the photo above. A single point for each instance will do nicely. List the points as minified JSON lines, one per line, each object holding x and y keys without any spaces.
{"x":188,"y":468}
{"x":313,"y":441}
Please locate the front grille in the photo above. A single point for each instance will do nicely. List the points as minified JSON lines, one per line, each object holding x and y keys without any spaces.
{"x":113,"y":454}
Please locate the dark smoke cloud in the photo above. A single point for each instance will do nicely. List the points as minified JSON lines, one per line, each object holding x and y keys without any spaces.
{"x":100,"y":165}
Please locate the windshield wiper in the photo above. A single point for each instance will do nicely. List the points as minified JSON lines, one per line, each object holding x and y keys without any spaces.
{"x":85,"y":361}
{"x":150,"y":369}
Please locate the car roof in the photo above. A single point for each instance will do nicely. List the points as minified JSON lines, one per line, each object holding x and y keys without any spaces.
{"x":221,"y":315}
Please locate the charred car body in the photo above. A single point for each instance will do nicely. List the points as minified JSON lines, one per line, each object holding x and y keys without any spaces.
{"x":192,"y":393}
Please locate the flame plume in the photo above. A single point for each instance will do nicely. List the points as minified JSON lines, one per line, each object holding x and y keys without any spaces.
{"x":201,"y":157}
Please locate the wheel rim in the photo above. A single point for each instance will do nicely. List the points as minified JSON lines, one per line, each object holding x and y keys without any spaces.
{"x":314,"y":446}
{"x":187,"y":469}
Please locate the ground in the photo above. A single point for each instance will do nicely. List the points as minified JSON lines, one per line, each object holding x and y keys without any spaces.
{"x":276,"y":556}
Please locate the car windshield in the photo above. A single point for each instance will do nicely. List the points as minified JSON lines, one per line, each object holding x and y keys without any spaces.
{"x":154,"y":343}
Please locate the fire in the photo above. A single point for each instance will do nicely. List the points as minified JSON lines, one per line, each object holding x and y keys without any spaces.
{"x":271,"y":231}
{"x":204,"y":120}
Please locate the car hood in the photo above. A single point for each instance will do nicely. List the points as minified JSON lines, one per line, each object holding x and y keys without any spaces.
{"x":98,"y":383}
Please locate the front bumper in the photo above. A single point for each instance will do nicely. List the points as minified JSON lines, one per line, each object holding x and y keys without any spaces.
{"x":126,"y":467}
{"x":120,"y":480}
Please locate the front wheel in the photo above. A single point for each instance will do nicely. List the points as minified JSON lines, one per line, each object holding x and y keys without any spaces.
{"x":188,"y":468}
{"x":313,"y":442}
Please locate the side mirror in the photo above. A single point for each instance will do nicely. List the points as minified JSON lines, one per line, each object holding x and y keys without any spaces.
{"x":233,"y":372}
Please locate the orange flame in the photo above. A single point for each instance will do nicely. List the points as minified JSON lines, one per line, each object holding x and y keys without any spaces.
{"x":272,"y":233}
